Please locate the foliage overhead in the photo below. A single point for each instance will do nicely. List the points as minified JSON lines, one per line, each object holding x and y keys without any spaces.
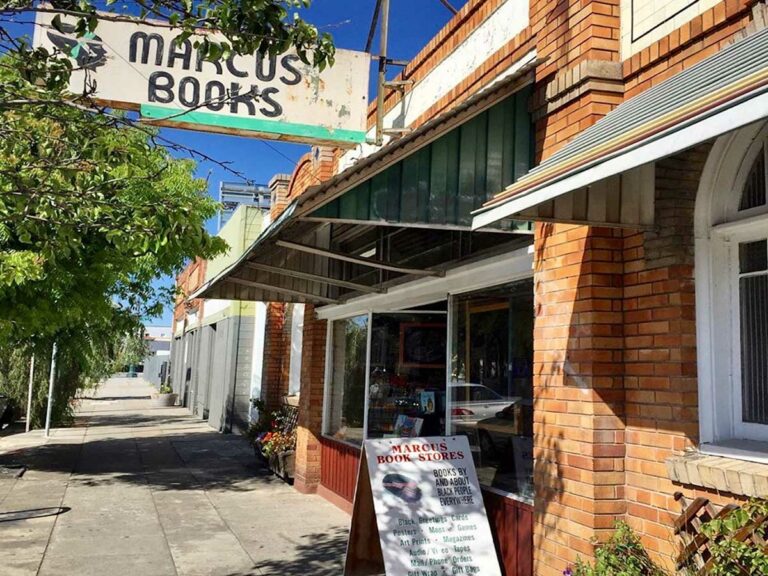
{"x":247,"y":26}
{"x":95,"y":207}
{"x":91,"y":211}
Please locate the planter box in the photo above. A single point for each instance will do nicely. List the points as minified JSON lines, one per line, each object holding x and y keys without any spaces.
{"x":282,"y":464}
{"x":164,"y":400}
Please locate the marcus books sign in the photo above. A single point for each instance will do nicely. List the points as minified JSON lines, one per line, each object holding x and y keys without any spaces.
{"x":139,"y":66}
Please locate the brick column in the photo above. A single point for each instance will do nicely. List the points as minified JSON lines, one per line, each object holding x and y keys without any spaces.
{"x":660,"y":354}
{"x":578,"y":392}
{"x":278,"y":186}
{"x":274,"y":384}
{"x":307,"y":476}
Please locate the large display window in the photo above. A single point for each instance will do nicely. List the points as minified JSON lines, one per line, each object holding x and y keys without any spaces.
{"x":345,"y":411}
{"x":492,"y":383}
{"x":462,"y":366}
{"x":407,"y":383}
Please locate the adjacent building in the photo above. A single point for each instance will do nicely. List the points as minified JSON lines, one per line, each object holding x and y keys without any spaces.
{"x":563,"y":256}
{"x":216,"y":367}
{"x":234,"y":194}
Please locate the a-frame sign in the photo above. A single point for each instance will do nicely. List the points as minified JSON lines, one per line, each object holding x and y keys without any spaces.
{"x":418,"y":511}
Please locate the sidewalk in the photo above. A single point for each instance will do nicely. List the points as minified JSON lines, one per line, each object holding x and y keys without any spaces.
{"x":147,"y":491}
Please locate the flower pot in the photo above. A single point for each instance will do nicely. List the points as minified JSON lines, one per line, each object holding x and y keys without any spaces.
{"x":164,"y":400}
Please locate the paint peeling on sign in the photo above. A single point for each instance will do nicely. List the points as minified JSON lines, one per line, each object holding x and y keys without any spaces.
{"x":141,"y":67}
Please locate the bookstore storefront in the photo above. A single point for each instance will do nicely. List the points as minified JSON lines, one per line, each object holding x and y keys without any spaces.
{"x":455,"y":360}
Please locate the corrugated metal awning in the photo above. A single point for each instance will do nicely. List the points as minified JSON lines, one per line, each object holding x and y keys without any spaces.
{"x":293,"y":260}
{"x":605,"y":175}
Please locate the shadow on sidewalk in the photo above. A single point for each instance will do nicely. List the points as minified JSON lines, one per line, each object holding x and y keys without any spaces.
{"x":15,"y":515}
{"x":181,"y":459}
{"x":320,"y":554}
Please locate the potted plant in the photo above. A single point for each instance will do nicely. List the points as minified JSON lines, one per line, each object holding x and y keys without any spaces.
{"x":164,"y":397}
{"x":274,"y":441}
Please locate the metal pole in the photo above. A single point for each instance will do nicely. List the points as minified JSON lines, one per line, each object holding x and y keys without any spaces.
{"x":382,"y":72}
{"x":50,"y":391}
{"x":29,"y":395}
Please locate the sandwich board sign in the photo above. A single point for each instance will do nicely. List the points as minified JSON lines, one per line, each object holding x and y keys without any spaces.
{"x":418,"y":511}
{"x":137,"y":65}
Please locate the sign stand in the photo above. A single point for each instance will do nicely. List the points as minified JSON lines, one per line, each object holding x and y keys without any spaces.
{"x":364,"y":556}
{"x":419,"y":511}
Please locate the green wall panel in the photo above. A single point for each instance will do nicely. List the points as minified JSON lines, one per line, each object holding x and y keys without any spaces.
{"x":445,"y":181}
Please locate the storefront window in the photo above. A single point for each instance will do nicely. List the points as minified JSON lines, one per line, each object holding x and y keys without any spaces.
{"x":346,"y":403}
{"x":407,"y":383}
{"x":492,"y":383}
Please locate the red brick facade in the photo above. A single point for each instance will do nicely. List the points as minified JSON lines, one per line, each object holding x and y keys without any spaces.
{"x":310,"y":402}
{"x":615,"y":362}
{"x":189,"y":280}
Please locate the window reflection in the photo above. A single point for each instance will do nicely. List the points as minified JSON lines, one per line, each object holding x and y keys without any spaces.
{"x":407,"y":388}
{"x":344,"y":420}
{"x":492,"y":383}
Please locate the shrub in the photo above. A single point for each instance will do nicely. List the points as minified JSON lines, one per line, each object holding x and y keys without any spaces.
{"x":622,"y":555}
{"x":733,"y":554}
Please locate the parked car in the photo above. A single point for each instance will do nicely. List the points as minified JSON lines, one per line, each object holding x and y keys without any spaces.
{"x":471,"y":403}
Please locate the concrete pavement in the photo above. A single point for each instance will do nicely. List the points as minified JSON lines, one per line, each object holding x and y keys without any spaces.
{"x":132,"y":489}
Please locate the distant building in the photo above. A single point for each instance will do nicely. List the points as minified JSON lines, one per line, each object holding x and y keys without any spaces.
{"x":155,"y":365}
{"x":232,"y":195}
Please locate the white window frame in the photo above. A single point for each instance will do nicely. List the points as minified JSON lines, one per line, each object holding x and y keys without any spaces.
{"x":719,"y":229}
{"x":297,"y":339}
{"x":482,"y":275}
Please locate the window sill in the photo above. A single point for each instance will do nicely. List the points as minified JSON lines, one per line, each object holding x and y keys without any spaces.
{"x":720,"y":468}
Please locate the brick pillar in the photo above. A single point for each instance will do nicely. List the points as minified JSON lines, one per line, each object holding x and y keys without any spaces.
{"x":274,"y":384}
{"x":660,"y":354}
{"x":578,"y":392}
{"x":307,"y":476}
{"x":278,"y":186}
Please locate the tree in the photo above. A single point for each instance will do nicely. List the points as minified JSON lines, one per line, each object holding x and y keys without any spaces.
{"x":93,"y":205}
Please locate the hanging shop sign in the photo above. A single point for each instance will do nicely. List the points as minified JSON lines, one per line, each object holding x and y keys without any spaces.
{"x":422,"y":497}
{"x":139,"y":66}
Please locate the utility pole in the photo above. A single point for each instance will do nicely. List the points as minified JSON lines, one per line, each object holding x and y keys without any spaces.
{"x":382,"y":72}
{"x":50,"y":391}
{"x":31,"y":386}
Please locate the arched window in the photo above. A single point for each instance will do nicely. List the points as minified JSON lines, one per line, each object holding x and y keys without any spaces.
{"x":732,"y":293}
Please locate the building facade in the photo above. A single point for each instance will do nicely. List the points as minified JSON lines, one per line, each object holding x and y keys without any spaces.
{"x":218,"y":343}
{"x":564,"y":257}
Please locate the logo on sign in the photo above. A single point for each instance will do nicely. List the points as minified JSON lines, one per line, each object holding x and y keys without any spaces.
{"x":88,"y":51}
{"x":402,"y":487}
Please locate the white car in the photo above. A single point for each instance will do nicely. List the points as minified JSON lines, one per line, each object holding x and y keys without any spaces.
{"x":473,"y":402}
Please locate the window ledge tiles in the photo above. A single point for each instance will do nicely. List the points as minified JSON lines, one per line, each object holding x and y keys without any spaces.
{"x":720,"y":473}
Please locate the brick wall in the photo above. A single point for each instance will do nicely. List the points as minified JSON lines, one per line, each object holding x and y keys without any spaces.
{"x":692,"y":42}
{"x":310,"y":402}
{"x":189,"y":280}
{"x":660,"y":353}
{"x":615,"y":375}
{"x":578,"y":391}
{"x":276,"y":356}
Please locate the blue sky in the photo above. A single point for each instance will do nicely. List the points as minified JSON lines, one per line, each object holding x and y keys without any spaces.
{"x":412,"y":24}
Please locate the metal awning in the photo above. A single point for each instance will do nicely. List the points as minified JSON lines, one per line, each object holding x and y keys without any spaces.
{"x":605,"y":175}
{"x":296,"y":258}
